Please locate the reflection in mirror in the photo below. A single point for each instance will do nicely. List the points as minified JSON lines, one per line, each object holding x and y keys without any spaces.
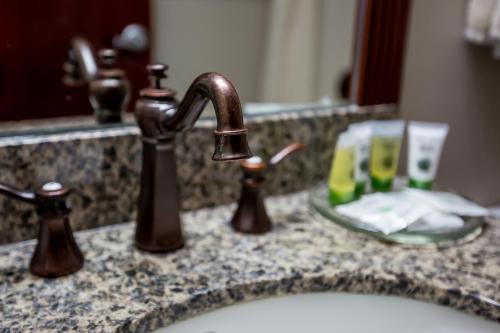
{"x":280,"y":54}
{"x":288,"y":52}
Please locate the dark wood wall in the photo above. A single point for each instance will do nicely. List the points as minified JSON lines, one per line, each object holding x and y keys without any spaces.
{"x":34,"y":40}
{"x":380,"y":40}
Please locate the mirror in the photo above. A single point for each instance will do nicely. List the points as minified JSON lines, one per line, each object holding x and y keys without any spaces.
{"x":280,"y":54}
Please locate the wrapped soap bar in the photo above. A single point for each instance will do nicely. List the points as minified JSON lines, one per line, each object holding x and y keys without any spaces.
{"x":447,"y":202}
{"x":386,"y":212}
{"x":412,"y":209}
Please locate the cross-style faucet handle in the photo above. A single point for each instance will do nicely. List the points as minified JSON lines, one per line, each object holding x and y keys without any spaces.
{"x":56,"y":253}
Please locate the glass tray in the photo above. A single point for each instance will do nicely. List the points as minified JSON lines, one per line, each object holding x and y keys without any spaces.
{"x":319,"y":201}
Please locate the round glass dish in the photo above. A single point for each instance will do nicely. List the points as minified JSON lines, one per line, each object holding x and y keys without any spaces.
{"x":319,"y":201}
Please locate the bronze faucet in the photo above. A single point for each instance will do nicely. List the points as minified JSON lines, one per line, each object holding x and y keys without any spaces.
{"x":108,"y":86}
{"x":56,"y":253}
{"x":160,"y":117}
{"x":251,"y":216}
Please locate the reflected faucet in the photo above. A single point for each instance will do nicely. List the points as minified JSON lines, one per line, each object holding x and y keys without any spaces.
{"x":108,"y":86}
{"x":81,"y":66}
{"x":160,"y":117}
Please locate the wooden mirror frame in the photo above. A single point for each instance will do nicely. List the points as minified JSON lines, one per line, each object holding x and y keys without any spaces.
{"x":379,"y":48}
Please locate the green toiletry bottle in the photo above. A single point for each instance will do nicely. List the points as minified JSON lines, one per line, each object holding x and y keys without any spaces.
{"x":341,"y":183}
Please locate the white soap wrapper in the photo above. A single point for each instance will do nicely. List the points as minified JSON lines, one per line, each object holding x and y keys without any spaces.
{"x":386,"y":212}
{"x":412,"y":209}
{"x":437,"y":221}
{"x":446,"y":202}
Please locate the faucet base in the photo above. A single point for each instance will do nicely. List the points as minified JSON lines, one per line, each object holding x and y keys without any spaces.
{"x":56,"y":253}
{"x":158,"y":226}
{"x":108,"y":117}
{"x":251,"y":216}
{"x":159,"y":248}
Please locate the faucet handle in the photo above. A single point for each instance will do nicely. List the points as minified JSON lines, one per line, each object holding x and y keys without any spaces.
{"x":133,"y":38}
{"x":256,"y":164}
{"x":14,"y":193}
{"x":157,"y":71}
{"x":285,"y":152}
{"x":251,"y":217}
{"x":56,"y":253}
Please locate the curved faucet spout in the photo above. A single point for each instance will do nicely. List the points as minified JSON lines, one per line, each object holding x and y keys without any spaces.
{"x":85,"y":58}
{"x":230,"y":135}
{"x":209,"y":87}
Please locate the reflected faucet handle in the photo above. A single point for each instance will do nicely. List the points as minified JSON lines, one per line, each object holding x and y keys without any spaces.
{"x":133,"y":38}
{"x":107,"y":58}
{"x":56,"y":253}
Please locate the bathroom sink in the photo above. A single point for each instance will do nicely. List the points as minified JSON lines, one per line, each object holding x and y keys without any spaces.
{"x":334,"y":312}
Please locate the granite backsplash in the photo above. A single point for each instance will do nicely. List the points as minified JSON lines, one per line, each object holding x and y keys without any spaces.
{"x":102,"y":166}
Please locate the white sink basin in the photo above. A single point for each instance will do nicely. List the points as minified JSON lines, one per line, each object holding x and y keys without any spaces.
{"x":334,"y":312}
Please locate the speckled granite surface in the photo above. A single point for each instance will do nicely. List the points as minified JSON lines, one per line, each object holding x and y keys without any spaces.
{"x":102,"y":166}
{"x":123,"y":290}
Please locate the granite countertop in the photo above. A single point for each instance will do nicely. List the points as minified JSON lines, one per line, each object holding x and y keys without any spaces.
{"x":121,"y":289}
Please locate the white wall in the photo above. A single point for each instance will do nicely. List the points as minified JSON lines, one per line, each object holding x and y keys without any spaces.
{"x":336,"y":36}
{"x":229,"y":36}
{"x":446,"y":79}
{"x":197,"y":36}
